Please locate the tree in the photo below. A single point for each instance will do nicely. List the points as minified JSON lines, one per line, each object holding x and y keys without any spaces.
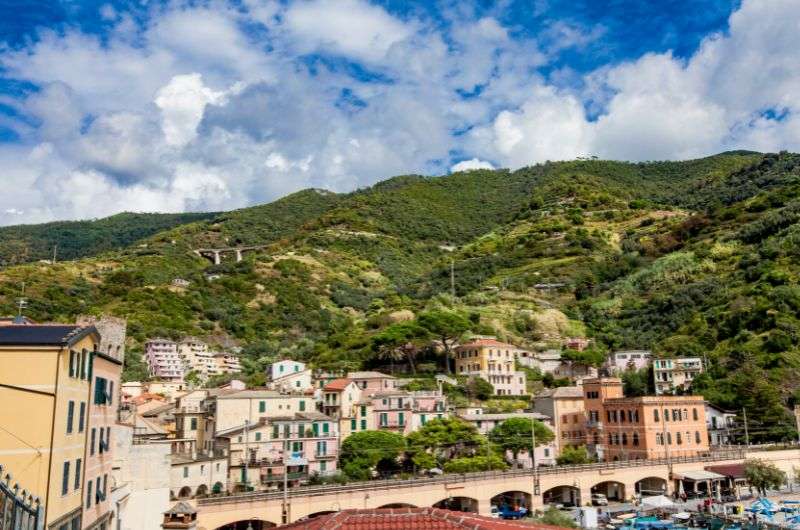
{"x":478,"y":387}
{"x":572,"y":455}
{"x":514,"y":435}
{"x":591,"y":356}
{"x":447,"y":327}
{"x":636,"y":382}
{"x":193,"y":379}
{"x":400,"y":340}
{"x":763,"y":475}
{"x":445,"y":439}
{"x":471,"y":464}
{"x":555,"y":517}
{"x":366,"y":451}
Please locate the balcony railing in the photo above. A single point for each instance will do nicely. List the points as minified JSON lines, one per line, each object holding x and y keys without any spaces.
{"x":324,"y":455}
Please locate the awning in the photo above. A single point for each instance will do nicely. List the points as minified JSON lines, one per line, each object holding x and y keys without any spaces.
{"x":699,"y":476}
{"x":734,"y":471}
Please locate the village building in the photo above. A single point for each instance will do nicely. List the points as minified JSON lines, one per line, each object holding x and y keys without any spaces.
{"x":493,"y":361}
{"x":675,"y":375}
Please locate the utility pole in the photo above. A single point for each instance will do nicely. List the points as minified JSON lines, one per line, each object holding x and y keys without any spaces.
{"x":746,"y":433}
{"x":22,"y":303}
{"x":533,"y":462}
{"x":664,"y":438}
{"x":55,"y":253}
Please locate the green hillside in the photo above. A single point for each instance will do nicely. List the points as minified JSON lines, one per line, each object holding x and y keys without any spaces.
{"x":77,"y":239}
{"x":687,"y":258}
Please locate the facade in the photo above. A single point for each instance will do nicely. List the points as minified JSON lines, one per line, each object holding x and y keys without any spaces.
{"x":344,"y":401}
{"x":230,"y":410}
{"x":227,"y":363}
{"x":676,"y":374}
{"x":620,"y":361}
{"x":140,"y":481}
{"x":545,"y":454}
{"x":547,"y":361}
{"x":196,"y":358}
{"x":196,"y":475}
{"x":99,"y":454}
{"x":373,"y":381}
{"x":289,"y":376}
{"x":163,"y":361}
{"x":405,"y":412}
{"x":620,"y":428}
{"x":720,"y":424}
{"x":300,"y":445}
{"x":565,"y":406}
{"x":493,"y":361}
{"x":45,"y":381}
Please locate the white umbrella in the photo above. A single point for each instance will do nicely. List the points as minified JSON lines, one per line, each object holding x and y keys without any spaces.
{"x":657,"y":501}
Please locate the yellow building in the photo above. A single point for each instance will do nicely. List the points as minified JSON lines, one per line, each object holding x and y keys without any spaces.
{"x":45,"y":374}
{"x":493,"y":361}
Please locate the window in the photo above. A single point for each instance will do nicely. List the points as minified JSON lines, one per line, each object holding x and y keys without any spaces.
{"x":325,"y":428}
{"x":70,"y":416}
{"x":89,"y":494}
{"x":82,"y":416}
{"x":287,"y":430}
{"x":275,"y":431}
{"x":697,"y":437}
{"x":363,"y":425}
{"x":258,"y":436}
{"x":110,"y":395}
{"x":77,"y":474}
{"x":678,"y":438}
{"x":108,"y":437}
{"x":635,"y":439}
{"x":100,"y":391}
{"x":363,"y":411}
{"x":694,"y":415}
{"x":82,"y":368}
{"x":98,"y":493}
{"x":65,"y":479}
{"x":302,"y":403}
{"x":100,"y":442}
{"x":193,"y":424}
{"x":91,"y":444}
{"x":185,"y":471}
{"x":676,"y":414}
{"x":624,"y":439}
{"x":353,"y":424}
{"x":401,"y":420}
{"x":262,"y":406}
{"x":323,"y":466}
{"x":669,"y":438}
{"x":666,"y":415}
{"x":423,"y":419}
{"x":546,"y":452}
{"x":384,"y":419}
{"x":72,"y":364}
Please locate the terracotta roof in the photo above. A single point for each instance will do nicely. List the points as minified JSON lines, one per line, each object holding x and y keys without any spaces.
{"x":729,"y":470}
{"x":144,"y":398}
{"x":409,"y":519}
{"x":488,"y":342}
{"x":337,"y":385}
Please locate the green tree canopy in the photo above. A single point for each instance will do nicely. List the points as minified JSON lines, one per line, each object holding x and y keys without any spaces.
{"x":402,"y":339}
{"x":591,"y":356}
{"x":445,"y":439}
{"x":362,"y":452}
{"x":763,"y":475}
{"x":470,"y":464}
{"x":572,"y":455}
{"x":447,"y":327}
{"x":514,"y":435}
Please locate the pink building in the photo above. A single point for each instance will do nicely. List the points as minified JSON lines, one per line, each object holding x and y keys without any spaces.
{"x":163,"y":360}
{"x":405,"y":412}
{"x":99,"y":455}
{"x":373,"y":381}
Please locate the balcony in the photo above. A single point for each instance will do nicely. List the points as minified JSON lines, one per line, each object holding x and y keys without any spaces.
{"x":326,"y":455}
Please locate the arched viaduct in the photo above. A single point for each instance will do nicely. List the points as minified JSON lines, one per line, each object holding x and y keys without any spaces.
{"x":476,"y":490}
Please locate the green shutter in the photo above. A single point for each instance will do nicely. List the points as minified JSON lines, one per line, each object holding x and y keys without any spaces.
{"x":401,"y":418}
{"x":325,"y":428}
{"x":262,"y":406}
{"x":353,"y":424}
{"x":363,"y":425}
{"x":316,"y":429}
{"x":302,"y":406}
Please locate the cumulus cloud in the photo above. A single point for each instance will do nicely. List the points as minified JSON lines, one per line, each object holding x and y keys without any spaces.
{"x":211,"y":106}
{"x":469,"y":165}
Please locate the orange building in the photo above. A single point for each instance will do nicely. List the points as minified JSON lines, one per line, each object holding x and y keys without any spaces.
{"x":646,"y":427}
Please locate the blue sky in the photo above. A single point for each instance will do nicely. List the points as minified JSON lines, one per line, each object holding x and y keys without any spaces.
{"x":173,"y":105}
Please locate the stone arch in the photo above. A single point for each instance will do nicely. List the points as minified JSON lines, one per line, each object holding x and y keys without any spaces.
{"x":218,"y":488}
{"x":185,"y":492}
{"x":202,"y":489}
{"x":256,"y":524}
{"x":458,"y":504}
{"x":396,"y":505}
{"x":513,"y":500}
{"x":651,"y":486}
{"x":566,"y":495}
{"x":613,"y":490}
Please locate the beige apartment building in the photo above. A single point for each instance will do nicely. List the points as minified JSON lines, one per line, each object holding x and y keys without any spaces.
{"x":493,"y":361}
{"x":565,"y":405}
{"x":45,"y":381}
{"x":229,"y":410}
{"x":675,"y":375}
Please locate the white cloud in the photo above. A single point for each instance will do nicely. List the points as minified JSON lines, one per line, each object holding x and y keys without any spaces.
{"x":469,"y":165}
{"x":196,"y":110}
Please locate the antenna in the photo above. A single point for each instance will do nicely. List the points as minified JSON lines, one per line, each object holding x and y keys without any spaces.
{"x":22,"y":302}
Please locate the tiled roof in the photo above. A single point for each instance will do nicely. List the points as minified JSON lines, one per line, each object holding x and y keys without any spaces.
{"x":182,"y":508}
{"x":503,"y":416}
{"x":487,"y":342}
{"x":409,"y":519}
{"x":42,"y":334}
{"x":337,"y":385}
{"x":239,"y":394}
{"x":561,"y":392}
{"x":368,"y":375}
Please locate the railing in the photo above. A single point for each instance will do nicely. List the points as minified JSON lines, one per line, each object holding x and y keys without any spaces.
{"x":734,"y":454}
{"x":19,"y":510}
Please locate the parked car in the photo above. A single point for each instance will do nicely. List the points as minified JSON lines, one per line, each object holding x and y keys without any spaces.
{"x":598,"y":499}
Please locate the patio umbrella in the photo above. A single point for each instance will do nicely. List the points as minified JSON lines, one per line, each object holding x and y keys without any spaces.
{"x":657,"y":501}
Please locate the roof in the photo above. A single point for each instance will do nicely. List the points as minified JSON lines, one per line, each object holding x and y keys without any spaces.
{"x":144,"y":426}
{"x":337,"y":385}
{"x":166,"y":407}
{"x":699,"y":475}
{"x":267,"y":423}
{"x":409,"y":519}
{"x":368,"y":375}
{"x":43,"y":334}
{"x":488,"y":342}
{"x":181,"y":508}
{"x":252,"y":394}
{"x":503,"y":416}
{"x":729,"y":470}
{"x":561,"y":392}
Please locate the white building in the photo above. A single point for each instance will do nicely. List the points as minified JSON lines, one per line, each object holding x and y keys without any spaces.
{"x":163,"y":360}
{"x":289,"y":376}
{"x":485,"y":422}
{"x":199,"y":475}
{"x":620,"y":361}
{"x":196,"y":357}
{"x":720,"y":425}
{"x":283,"y":368}
{"x":140,"y":481}
{"x":675,"y":374}
{"x":227,"y":363}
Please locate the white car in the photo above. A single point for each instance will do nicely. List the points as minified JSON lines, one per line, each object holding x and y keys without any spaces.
{"x":598,"y":499}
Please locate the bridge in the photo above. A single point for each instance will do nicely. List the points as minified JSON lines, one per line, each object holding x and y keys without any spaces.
{"x":215,"y":254}
{"x":474,"y":491}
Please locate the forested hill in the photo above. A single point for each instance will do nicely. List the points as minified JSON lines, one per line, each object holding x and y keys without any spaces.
{"x":687,"y":258}
{"x":77,"y":239}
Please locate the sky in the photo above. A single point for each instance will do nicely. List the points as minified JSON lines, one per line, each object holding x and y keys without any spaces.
{"x":194,"y":105}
